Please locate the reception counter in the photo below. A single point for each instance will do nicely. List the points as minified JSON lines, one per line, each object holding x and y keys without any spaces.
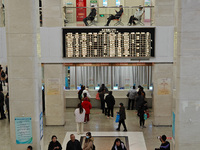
{"x":71,"y":97}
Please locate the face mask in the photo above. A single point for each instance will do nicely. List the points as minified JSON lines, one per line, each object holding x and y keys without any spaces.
{"x":87,"y":137}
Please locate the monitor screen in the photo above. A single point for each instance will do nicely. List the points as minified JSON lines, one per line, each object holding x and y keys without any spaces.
{"x":78,"y":87}
{"x":97,"y":87}
{"x":151,"y":88}
{"x":115,"y":87}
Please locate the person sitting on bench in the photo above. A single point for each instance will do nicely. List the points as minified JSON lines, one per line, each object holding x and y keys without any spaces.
{"x":117,"y":16}
{"x":138,"y":15}
{"x":91,"y":16}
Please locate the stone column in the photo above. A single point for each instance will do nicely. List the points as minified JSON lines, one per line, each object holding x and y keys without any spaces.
{"x":1,"y":14}
{"x":164,"y":13}
{"x":54,"y":76}
{"x":187,"y":110}
{"x":52,"y":11}
{"x":162,"y":94}
{"x":22,"y":26}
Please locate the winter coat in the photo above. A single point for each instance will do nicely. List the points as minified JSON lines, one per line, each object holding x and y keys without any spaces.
{"x":87,"y":106}
{"x":110,"y":100}
{"x":122,"y":113}
{"x":1,"y":99}
{"x":52,"y":145}
{"x":89,"y":144}
{"x":79,"y":117}
{"x":121,"y":147}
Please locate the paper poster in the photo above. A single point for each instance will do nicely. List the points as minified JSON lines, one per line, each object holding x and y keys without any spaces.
{"x":53,"y":86}
{"x":164,"y":86}
{"x":23,"y":130}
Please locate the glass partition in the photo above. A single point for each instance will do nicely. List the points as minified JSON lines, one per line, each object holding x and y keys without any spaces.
{"x":120,"y":77}
{"x":142,"y":17}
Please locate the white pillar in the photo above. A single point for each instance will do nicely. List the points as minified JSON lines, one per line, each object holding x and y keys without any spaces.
{"x":54,"y":77}
{"x":22,"y":26}
{"x":52,"y":13}
{"x":187,"y":110}
{"x":162,"y":76}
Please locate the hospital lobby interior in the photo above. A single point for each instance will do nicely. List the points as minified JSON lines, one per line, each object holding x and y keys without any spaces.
{"x":114,"y":74}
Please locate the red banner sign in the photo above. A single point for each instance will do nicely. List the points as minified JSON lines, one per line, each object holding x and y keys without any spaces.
{"x":80,"y":12}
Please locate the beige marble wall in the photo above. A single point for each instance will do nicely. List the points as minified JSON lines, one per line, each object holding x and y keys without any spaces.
{"x":164,"y":13}
{"x":162,"y":104}
{"x":22,"y":24}
{"x":52,"y":13}
{"x":187,"y":133}
{"x":54,"y":102}
{"x":1,"y":14}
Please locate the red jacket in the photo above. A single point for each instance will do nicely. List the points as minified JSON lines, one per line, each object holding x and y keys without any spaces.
{"x":87,"y":106}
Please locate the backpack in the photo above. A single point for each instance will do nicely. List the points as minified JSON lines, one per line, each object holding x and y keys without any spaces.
{"x":3,"y":75}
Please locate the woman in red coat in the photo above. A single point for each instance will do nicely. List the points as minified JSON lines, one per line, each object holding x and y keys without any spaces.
{"x":87,"y":106}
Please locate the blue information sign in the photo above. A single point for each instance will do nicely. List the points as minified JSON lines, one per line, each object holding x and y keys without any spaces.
{"x":23,"y":130}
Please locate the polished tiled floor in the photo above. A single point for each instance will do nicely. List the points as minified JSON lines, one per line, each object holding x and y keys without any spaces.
{"x":98,"y":123}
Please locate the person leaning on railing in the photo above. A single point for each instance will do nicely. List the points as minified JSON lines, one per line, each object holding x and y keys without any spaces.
{"x":117,"y":15}
{"x":91,"y":16}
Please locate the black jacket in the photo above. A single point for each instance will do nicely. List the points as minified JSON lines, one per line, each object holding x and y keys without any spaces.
{"x":122,"y":113}
{"x":165,"y":146}
{"x":119,"y":13}
{"x":121,"y":147}
{"x":139,"y":101}
{"x":73,"y":145}
{"x":93,"y":13}
{"x":110,"y":100}
{"x":1,"y":99}
{"x":52,"y":145}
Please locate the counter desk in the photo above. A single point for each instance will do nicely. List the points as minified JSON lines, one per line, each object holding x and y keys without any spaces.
{"x":71,"y":98}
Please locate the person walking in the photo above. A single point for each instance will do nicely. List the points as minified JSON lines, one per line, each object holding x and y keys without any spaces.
{"x":80,"y":116}
{"x":110,"y":101}
{"x":122,"y":114}
{"x":132,"y":93}
{"x":3,"y":116}
{"x":141,"y":113}
{"x":87,"y":106}
{"x":89,"y":142}
{"x":103,"y":89}
{"x":139,"y":101}
{"x":73,"y":144}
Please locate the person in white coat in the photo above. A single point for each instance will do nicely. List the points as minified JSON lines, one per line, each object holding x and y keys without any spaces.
{"x":80,"y":116}
{"x":86,"y":91}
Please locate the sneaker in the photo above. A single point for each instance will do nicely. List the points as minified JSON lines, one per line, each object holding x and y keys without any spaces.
{"x":85,"y":122}
{"x":125,"y":130}
{"x":141,"y":127}
{"x":105,"y":25}
{"x":117,"y":129}
{"x":108,"y":117}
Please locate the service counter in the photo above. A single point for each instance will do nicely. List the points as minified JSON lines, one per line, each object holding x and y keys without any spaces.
{"x":71,"y":97}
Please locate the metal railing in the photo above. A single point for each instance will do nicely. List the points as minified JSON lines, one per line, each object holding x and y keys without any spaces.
{"x":73,"y":16}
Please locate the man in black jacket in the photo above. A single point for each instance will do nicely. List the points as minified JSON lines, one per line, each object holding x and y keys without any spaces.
{"x":117,"y":16}
{"x":91,"y":16}
{"x":1,"y":106}
{"x":110,"y":101}
{"x":73,"y":144}
{"x":122,"y":114}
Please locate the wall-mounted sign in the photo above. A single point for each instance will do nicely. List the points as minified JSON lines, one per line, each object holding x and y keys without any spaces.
{"x":53,"y":86}
{"x":164,"y":86}
{"x":80,"y":12}
{"x":23,"y":130}
{"x":108,"y":42}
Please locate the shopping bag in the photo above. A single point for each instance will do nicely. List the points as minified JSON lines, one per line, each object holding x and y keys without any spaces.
{"x":145,"y":116}
{"x":117,"y":118}
{"x":97,"y":96}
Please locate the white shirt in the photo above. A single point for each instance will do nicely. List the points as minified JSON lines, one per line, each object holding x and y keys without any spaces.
{"x":79,"y":117}
{"x":88,"y":94}
{"x":138,"y":13}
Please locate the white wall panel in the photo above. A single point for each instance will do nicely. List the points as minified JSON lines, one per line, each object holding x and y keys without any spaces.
{"x":3,"y":52}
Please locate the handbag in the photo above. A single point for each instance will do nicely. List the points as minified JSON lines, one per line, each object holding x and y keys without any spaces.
{"x":117,"y":118}
{"x":97,"y":96}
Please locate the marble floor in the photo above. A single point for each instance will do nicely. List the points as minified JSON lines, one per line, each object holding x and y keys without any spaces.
{"x":98,"y":124}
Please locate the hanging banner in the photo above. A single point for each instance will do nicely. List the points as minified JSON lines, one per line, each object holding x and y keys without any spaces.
{"x":23,"y":130}
{"x":80,"y":12}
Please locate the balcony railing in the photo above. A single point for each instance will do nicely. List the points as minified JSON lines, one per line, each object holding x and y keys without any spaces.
{"x":73,"y":16}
